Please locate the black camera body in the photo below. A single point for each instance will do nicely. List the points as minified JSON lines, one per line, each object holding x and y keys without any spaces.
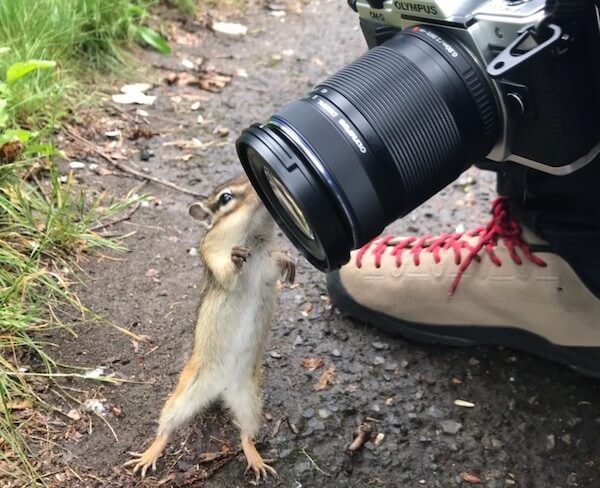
{"x":550,"y":99}
{"x":444,"y":84}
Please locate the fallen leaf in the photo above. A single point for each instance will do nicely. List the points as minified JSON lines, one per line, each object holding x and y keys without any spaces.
{"x":18,"y":405}
{"x":135,"y":97}
{"x":116,"y":411}
{"x":186,"y":63}
{"x":326,"y":379}
{"x":207,"y":457}
{"x":221,"y":131}
{"x":311,"y":364}
{"x":229,"y":28}
{"x":470,"y":478}
{"x":94,"y":373}
{"x":166,"y":480}
{"x":193,"y":143}
{"x":74,"y":414}
{"x":141,"y":132}
{"x":136,"y":88}
{"x":456,"y":381}
{"x":10,"y":151}
{"x":153,"y":275}
{"x":94,"y":405}
{"x":214,"y":81}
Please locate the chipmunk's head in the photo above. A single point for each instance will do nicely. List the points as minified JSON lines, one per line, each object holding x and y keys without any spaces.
{"x":233,"y":207}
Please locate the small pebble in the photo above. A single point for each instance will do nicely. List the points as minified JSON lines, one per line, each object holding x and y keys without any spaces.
{"x":378,"y":360}
{"x":474,"y":362}
{"x":336,"y":353}
{"x":379,"y":346}
{"x":324,"y":413}
{"x":76,"y":165}
{"x":275,"y":355}
{"x":450,"y":427}
{"x":550,"y":442}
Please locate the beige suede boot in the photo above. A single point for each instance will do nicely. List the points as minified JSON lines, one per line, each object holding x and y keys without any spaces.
{"x":498,"y":284}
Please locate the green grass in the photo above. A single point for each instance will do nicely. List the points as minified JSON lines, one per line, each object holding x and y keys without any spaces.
{"x":82,"y":36}
{"x":44,"y":226}
{"x":42,"y":230}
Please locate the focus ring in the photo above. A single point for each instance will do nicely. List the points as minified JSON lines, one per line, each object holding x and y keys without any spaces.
{"x":472,"y":76}
{"x":406,"y":111}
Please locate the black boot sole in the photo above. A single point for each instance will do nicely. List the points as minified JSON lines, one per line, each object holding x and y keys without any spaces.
{"x":585,"y":360}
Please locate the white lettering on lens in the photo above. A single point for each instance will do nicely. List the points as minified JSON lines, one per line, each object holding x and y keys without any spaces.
{"x":328,"y":108}
{"x":348,"y":130}
{"x":447,"y":47}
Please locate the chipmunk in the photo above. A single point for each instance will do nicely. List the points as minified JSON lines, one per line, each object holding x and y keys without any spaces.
{"x":236,"y":307}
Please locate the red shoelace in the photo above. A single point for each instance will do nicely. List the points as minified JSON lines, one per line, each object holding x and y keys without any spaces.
{"x":501,"y":226}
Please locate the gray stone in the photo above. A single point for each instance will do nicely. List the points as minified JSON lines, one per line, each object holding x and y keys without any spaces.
{"x":378,"y":360}
{"x":550,"y":442}
{"x":324,"y":413}
{"x":275,"y":355}
{"x":316,"y":424}
{"x":474,"y":362}
{"x":285,"y":453}
{"x":336,"y":353}
{"x":450,"y":427}
{"x":434,"y":412}
{"x":308,"y":413}
{"x":302,"y":467}
{"x":379,"y":346}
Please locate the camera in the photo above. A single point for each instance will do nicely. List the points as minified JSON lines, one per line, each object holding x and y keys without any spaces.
{"x":444,"y":84}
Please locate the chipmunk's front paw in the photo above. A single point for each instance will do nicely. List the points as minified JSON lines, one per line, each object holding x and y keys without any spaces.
{"x":239,"y":255}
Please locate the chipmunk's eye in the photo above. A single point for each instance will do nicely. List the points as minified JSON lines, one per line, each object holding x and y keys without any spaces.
{"x":224,"y":198}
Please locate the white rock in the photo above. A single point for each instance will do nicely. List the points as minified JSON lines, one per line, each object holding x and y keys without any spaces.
{"x":76,"y":165}
{"x":230,"y":28}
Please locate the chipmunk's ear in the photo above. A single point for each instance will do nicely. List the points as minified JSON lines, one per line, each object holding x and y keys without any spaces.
{"x":201,"y":212}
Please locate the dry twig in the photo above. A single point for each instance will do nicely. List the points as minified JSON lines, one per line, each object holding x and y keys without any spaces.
{"x":127,"y":169}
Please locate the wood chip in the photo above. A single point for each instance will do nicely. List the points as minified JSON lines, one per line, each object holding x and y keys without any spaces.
{"x":463,"y":403}
{"x":470,"y":478}
{"x":74,"y":414}
{"x":363,"y":433}
{"x":311,"y":364}
{"x":379,"y":438}
{"x":326,"y":379}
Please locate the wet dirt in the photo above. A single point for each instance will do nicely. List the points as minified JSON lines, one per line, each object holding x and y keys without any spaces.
{"x":534,"y":424}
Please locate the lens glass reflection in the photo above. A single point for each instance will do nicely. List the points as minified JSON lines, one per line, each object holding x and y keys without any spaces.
{"x":287,"y":201}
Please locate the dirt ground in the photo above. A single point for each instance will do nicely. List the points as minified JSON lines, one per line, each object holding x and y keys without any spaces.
{"x":534,"y":424}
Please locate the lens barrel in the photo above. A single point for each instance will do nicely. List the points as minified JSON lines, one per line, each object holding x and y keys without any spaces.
{"x":371,"y":143}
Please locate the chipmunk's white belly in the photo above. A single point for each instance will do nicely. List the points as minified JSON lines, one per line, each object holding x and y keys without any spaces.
{"x":245,"y":317}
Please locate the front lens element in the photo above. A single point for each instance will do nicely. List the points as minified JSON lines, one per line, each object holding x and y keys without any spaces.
{"x":287,"y":201}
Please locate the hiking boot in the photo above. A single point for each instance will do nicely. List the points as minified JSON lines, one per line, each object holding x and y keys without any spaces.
{"x":498,"y":284}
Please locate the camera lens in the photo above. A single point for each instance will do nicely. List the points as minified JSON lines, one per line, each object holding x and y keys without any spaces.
{"x":371,"y":143}
{"x":287,"y":200}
